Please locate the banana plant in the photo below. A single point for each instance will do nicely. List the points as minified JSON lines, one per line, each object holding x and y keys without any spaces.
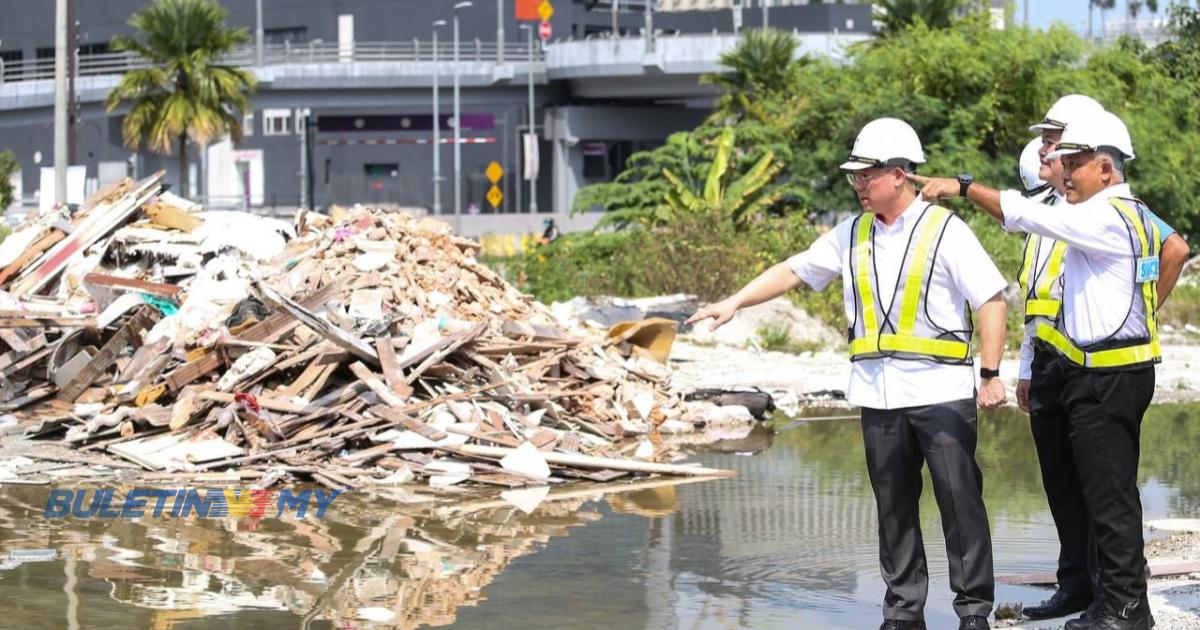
{"x":741,"y":200}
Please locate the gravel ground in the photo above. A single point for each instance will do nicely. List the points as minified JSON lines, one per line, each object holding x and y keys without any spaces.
{"x":792,"y":378}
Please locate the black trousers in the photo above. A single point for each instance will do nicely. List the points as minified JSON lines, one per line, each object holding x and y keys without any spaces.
{"x":898,"y":443}
{"x":1105,"y":409}
{"x":1078,"y":569}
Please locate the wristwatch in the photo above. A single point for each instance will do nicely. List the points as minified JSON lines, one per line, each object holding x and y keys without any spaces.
{"x":964,"y":182}
{"x":985,"y":373}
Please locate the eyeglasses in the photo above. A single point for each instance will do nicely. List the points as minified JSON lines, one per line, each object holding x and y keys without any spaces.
{"x":861,"y":179}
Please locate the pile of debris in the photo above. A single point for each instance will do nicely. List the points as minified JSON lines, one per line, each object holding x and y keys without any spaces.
{"x":363,"y":347}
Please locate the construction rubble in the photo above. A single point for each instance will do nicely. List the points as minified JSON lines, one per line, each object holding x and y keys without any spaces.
{"x":158,"y":341}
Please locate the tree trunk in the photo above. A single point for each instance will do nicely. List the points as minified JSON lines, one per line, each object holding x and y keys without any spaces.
{"x":183,"y":166}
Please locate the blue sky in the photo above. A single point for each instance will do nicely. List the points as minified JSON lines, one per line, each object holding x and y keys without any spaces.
{"x":1070,"y":12}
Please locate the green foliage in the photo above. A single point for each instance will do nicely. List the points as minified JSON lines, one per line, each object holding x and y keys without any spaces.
{"x":970,"y":92}
{"x":4,"y":232}
{"x":740,"y":200}
{"x":8,"y":166}
{"x":186,"y":92}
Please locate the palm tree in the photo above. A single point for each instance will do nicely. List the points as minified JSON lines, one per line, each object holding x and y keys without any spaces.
{"x":761,"y":65}
{"x":1103,"y":5}
{"x":185,"y":91}
{"x":897,"y":15}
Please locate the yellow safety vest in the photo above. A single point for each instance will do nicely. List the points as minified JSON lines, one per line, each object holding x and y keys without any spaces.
{"x":1038,"y":281}
{"x":1146,"y":239}
{"x":914,"y":336}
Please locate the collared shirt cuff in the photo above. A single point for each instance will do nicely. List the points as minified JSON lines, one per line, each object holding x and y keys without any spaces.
{"x":1010,"y":205}
{"x":1025,"y":371}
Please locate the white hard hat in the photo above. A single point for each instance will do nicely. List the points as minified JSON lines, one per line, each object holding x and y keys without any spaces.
{"x":1029,"y":166}
{"x":885,"y":142}
{"x":1066,"y":109}
{"x":1095,"y":132}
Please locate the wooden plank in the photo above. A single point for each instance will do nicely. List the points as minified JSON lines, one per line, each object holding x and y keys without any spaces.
{"x":395,"y":415}
{"x":609,"y":463}
{"x":391,"y":368}
{"x":455,"y":342}
{"x":169,"y":216}
{"x":342,"y":338}
{"x":264,"y":402}
{"x":154,"y":288}
{"x":129,"y":334}
{"x":35,"y":250}
{"x":47,"y":322}
{"x":94,"y":226}
{"x":369,"y":379}
{"x":267,"y":330}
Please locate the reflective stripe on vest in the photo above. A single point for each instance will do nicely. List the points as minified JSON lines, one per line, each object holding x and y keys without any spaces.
{"x":1149,"y":352}
{"x":1037,"y":282}
{"x":906,"y":340}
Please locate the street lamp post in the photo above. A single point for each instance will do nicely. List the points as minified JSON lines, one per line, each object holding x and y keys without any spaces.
{"x":500,"y":31}
{"x":258,"y":33}
{"x":437,"y":123}
{"x":766,"y":16}
{"x":532,"y":124}
{"x":457,"y":124}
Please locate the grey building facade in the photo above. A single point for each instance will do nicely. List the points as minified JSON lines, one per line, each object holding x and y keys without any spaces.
{"x":359,"y":73}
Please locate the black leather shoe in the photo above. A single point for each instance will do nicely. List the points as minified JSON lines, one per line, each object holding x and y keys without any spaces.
{"x":974,"y":622}
{"x":902,"y":624}
{"x":1106,"y":621}
{"x":1093,"y":609}
{"x":1060,"y":604}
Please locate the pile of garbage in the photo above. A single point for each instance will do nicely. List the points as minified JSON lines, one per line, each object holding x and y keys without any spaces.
{"x":359,"y":347}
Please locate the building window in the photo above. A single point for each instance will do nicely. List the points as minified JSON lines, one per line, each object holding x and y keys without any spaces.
{"x":248,"y":123}
{"x":12,"y":62}
{"x":378,"y":171}
{"x":99,"y":48}
{"x":288,"y":35}
{"x":45,"y":52}
{"x":277,"y":122}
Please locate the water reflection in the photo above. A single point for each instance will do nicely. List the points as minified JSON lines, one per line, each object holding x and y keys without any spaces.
{"x":790,"y":540}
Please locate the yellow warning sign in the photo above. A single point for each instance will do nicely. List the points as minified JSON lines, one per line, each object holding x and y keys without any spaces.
{"x":545,"y":10}
{"x":494,"y":172}
{"x":494,"y":196}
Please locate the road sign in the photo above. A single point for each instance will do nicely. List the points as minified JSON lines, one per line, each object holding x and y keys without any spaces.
{"x":494,"y":172}
{"x":545,"y":9}
{"x":544,"y":31}
{"x":494,"y":196}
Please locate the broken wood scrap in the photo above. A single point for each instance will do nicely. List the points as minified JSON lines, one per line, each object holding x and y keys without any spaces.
{"x":153,"y":288}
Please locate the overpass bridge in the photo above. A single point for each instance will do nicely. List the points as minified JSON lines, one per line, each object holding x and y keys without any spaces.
{"x":601,"y":98}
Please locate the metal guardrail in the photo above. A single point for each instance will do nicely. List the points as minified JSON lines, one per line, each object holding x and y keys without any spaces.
{"x":285,"y":54}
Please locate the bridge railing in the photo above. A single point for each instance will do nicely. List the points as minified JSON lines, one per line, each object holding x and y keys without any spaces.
{"x":285,"y":54}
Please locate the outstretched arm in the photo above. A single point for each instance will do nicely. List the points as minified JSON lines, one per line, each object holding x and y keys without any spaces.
{"x":938,"y":188}
{"x":769,"y":285}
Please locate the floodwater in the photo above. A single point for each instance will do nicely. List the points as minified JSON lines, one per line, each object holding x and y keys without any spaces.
{"x":789,"y":543}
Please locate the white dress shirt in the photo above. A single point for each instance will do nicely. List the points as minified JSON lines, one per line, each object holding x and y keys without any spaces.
{"x":1025,"y":371}
{"x":962,"y":271}
{"x":1098,"y":274}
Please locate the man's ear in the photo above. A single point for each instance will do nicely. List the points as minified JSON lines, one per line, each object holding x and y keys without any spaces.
{"x":1107,"y":171}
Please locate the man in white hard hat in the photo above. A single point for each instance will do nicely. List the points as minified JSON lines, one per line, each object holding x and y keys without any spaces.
{"x":1029,"y":169}
{"x":1038,"y":390}
{"x":1104,"y":343}
{"x":909,"y":270}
